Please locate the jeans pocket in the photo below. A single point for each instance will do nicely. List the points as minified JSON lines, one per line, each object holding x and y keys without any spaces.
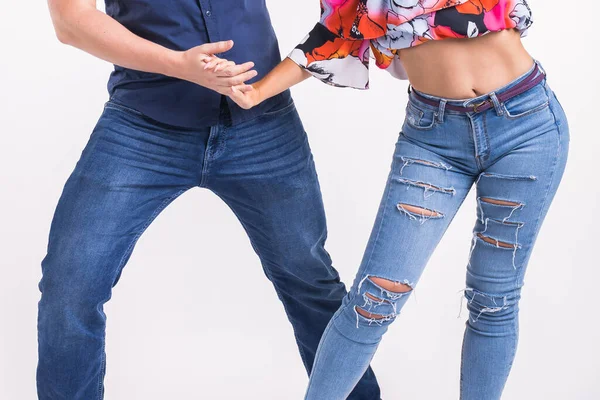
{"x":532,"y":101}
{"x":418,"y":118}
{"x":113,"y":105}
{"x":278,"y":110}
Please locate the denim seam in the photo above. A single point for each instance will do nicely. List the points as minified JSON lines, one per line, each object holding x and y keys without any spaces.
{"x":161,"y":207}
{"x":222,"y":139}
{"x":129,"y":250}
{"x":102,"y":369}
{"x":327,"y":329}
{"x":551,"y":180}
{"x":475,"y":143}
{"x":270,"y":277}
{"x":485,"y":133}
{"x":118,"y":107}
{"x":380,"y":227}
{"x":462,"y":360}
{"x":88,"y":152}
{"x":458,"y":208}
{"x":205,"y":162}
{"x":463,"y":343}
{"x":514,"y":348}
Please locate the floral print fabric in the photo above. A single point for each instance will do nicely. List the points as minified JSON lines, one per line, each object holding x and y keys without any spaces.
{"x":338,"y":49}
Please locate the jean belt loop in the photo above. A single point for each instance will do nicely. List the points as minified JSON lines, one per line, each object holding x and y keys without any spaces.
{"x":497,"y":104}
{"x":539,"y":64}
{"x":441,"y":110}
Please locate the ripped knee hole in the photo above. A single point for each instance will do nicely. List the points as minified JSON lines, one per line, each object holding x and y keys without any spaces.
{"x":497,"y":202}
{"x":369,"y":315}
{"x":423,"y":212}
{"x":495,"y":242}
{"x":395,"y":287}
{"x":375,"y":299}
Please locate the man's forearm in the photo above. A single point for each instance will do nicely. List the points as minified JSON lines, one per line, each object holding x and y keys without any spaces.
{"x":80,"y":24}
{"x":85,"y":27}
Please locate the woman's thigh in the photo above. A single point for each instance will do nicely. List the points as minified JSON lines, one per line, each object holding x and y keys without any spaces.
{"x":423,"y":193}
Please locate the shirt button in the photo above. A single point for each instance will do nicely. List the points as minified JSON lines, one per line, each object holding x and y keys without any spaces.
{"x":208,"y":13}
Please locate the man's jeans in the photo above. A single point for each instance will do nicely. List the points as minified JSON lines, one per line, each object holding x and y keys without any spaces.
{"x":131,"y":169}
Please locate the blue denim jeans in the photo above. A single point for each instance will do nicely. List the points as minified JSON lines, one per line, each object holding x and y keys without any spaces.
{"x":134,"y":167}
{"x":514,"y":154}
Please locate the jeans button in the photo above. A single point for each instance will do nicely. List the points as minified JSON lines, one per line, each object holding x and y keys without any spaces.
{"x":208,"y":13}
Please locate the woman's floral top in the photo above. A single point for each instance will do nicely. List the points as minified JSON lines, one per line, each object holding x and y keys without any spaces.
{"x":338,"y":49}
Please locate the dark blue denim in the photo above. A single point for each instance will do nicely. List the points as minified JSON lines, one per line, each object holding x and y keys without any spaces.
{"x":131,"y":169}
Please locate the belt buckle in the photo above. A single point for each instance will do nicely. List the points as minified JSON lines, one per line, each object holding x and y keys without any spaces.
{"x":478,"y":105}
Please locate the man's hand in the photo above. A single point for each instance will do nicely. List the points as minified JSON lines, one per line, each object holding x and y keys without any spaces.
{"x":79,"y":24}
{"x":200,"y":66}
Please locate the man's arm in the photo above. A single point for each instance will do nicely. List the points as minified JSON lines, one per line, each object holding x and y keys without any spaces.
{"x":78,"y":23}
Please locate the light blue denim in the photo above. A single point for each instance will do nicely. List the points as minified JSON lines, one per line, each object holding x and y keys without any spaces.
{"x":514,"y":154}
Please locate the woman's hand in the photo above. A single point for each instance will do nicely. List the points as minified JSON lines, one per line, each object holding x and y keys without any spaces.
{"x":232,"y":77}
{"x":245,"y":96}
{"x":282,"y":77}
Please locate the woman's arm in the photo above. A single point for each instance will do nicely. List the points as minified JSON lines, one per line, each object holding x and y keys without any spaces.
{"x":282,"y":77}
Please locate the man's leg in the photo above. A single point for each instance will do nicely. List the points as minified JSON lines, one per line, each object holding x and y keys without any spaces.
{"x":264,"y":171}
{"x":128,"y":173}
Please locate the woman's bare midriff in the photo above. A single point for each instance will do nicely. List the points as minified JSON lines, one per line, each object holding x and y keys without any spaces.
{"x":465,"y":68}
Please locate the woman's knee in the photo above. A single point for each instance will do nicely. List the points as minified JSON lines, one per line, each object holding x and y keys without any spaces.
{"x":378,"y":299}
{"x":487,"y":310}
{"x":371,"y":307}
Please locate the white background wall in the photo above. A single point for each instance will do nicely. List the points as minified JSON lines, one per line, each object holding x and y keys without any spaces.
{"x":182,"y":323}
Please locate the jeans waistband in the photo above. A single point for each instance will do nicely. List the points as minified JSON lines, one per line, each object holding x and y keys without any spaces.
{"x":529,"y":79}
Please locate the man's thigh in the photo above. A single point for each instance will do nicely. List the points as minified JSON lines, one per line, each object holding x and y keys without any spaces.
{"x":266,"y":174}
{"x":129,"y":171}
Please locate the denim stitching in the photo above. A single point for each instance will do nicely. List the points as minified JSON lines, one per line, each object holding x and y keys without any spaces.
{"x":474,"y":139}
{"x":161,"y":207}
{"x":462,"y":362}
{"x":327,"y":328}
{"x":270,"y":277}
{"x":128,"y":252}
{"x":534,"y":110}
{"x":385,"y":207}
{"x":487,"y":136}
{"x":205,"y":161}
{"x":552,"y":175}
{"x":102,"y":370}
{"x":119,"y":107}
